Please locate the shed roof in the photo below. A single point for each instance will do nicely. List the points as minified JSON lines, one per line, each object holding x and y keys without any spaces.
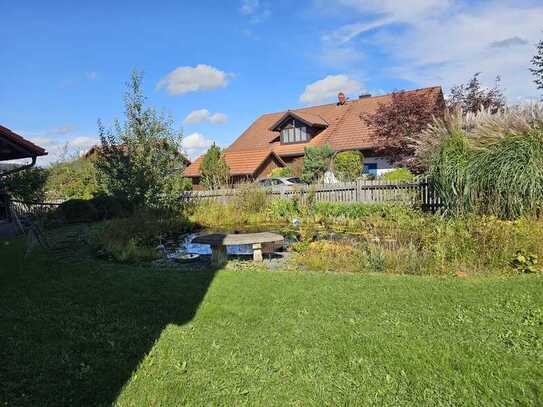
{"x":13,"y":146}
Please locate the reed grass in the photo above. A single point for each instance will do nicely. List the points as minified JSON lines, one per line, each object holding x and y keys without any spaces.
{"x":488,"y":164}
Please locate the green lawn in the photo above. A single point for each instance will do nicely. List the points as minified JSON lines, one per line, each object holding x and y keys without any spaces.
{"x":93,"y":333}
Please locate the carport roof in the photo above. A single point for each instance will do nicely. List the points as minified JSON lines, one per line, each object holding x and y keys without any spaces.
{"x":13,"y":146}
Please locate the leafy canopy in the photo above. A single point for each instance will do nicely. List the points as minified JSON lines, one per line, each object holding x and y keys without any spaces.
{"x":214,"y":169}
{"x":399,"y":123}
{"x":26,"y":185}
{"x":348,"y":165}
{"x":472,"y":97}
{"x":282,"y":172}
{"x":140,"y":158}
{"x":72,"y":179}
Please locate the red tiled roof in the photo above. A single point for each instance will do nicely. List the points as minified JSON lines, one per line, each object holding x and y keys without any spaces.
{"x":26,"y":148}
{"x":239,"y":162}
{"x":313,"y":120}
{"x":345,"y":128}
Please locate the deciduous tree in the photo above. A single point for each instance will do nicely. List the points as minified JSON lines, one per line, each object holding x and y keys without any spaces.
{"x":472,"y":97}
{"x":398,"y":123}
{"x":26,"y":185}
{"x":348,"y":165}
{"x":139,"y":156}
{"x":214,"y":169}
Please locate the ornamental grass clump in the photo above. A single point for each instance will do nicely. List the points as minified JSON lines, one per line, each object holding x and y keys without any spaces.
{"x":506,"y":178}
{"x":486,"y":163}
{"x":448,"y":171}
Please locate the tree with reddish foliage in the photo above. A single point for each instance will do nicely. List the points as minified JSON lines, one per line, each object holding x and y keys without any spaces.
{"x":397,"y":123}
{"x":472,"y":97}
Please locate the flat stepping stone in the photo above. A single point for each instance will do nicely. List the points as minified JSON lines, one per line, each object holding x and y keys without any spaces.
{"x":219,"y":241}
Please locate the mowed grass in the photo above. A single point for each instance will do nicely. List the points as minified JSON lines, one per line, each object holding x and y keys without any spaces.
{"x":94,"y":333}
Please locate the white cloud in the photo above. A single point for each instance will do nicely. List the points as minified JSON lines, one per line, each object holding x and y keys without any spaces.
{"x":328,"y":88}
{"x":333,"y":57}
{"x":195,"y":144}
{"x":255,"y":10}
{"x":42,"y":141}
{"x":494,"y":40}
{"x":347,"y":32}
{"x":509,"y":42}
{"x":82,"y":142}
{"x":186,"y":79}
{"x":397,"y":10}
{"x":446,"y":42}
{"x":204,"y":116}
{"x":66,"y":129}
{"x":59,"y":143}
{"x":249,"y":6}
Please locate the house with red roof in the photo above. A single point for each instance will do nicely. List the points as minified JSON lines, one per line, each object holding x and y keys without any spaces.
{"x":278,"y":139}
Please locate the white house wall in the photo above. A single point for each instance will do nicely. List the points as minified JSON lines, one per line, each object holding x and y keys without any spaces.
{"x":383,"y":165}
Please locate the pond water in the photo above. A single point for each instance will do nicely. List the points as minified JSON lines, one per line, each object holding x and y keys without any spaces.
{"x":184,"y":243}
{"x":186,"y":246}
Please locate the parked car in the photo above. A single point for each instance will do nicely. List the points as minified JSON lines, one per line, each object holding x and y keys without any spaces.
{"x":278,"y":182}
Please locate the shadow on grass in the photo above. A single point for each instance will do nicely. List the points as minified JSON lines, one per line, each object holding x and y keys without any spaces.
{"x":73,"y":334}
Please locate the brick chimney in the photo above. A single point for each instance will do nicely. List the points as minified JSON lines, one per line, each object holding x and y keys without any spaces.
{"x":341,"y":98}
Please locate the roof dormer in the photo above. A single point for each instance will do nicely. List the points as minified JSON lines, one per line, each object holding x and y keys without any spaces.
{"x":298,"y":127}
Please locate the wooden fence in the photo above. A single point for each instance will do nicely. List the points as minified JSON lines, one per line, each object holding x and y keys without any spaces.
{"x":32,"y":210}
{"x":418,"y":193}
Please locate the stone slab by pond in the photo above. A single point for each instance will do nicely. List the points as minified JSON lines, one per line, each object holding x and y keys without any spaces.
{"x":219,"y":241}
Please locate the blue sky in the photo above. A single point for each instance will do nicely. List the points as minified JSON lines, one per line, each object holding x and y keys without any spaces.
{"x":65,"y":63}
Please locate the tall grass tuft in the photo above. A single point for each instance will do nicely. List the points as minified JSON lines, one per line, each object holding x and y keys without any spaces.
{"x":506,"y":179}
{"x":488,"y":163}
{"x":448,"y":171}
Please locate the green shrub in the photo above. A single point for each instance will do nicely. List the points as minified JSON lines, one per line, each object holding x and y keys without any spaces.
{"x":250,"y":198}
{"x":78,"y":210}
{"x":27,"y":185}
{"x":72,"y":179}
{"x":354,"y":211}
{"x":283,"y":208}
{"x":130,"y":252}
{"x":324,"y":255}
{"x":398,"y":174}
{"x":316,"y":162}
{"x":348,"y":165}
{"x":134,"y":238}
{"x":374,"y":259}
{"x":108,"y":207}
{"x":282,"y":172}
{"x":525,"y":262}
